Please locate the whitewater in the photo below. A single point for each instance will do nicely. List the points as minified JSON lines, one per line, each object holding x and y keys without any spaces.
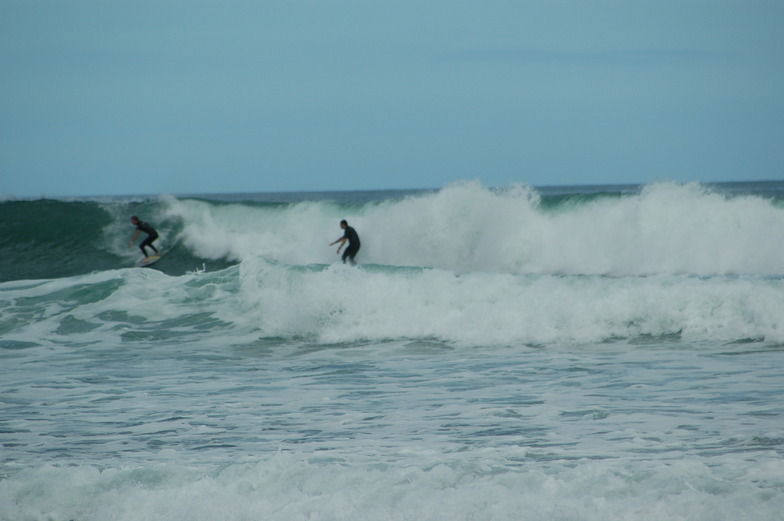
{"x":516,"y":353}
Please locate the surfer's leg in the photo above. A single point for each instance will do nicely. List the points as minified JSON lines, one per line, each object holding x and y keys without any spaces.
{"x":147,"y":242}
{"x":349,"y":254}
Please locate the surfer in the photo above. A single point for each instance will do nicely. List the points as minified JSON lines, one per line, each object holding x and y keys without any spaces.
{"x":142,"y":226}
{"x":350,"y":235}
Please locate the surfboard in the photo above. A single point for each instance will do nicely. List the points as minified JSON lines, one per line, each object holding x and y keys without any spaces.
{"x":149,"y":261}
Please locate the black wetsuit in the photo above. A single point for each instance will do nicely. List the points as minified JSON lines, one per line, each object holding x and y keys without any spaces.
{"x":353,"y":244}
{"x":151,"y":236}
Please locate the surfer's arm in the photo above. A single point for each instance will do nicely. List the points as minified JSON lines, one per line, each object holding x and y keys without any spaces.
{"x":135,"y":235}
{"x":342,"y":242}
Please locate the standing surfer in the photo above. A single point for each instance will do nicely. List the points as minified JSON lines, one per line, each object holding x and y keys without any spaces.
{"x":142,"y":226}
{"x":350,"y":235}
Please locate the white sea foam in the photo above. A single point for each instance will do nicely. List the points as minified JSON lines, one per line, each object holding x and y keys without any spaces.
{"x":343,"y":304}
{"x":666,"y":228}
{"x":494,"y":357}
{"x":337,"y":303}
{"x":289,"y":488}
{"x":249,"y":393}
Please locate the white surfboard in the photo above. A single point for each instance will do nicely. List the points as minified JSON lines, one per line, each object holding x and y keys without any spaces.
{"x":149,"y":261}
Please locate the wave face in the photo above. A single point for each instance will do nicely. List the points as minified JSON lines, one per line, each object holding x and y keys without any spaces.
{"x":656,"y":229}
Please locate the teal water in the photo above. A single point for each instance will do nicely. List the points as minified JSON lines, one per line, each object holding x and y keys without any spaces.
{"x":561,"y":353}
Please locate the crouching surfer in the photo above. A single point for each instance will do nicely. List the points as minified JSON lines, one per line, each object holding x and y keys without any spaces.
{"x":142,"y":226}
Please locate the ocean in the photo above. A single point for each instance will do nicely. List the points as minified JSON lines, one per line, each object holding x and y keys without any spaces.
{"x":518,"y":353}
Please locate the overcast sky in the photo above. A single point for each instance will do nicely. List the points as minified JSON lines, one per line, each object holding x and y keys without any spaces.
{"x":191,"y":96}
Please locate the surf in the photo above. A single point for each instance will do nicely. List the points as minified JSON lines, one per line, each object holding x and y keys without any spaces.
{"x":664,"y":228}
{"x":338,"y":304}
{"x":574,"y":352}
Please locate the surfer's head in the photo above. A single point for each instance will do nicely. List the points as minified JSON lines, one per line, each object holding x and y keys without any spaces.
{"x":343,"y":223}
{"x":135,"y":220}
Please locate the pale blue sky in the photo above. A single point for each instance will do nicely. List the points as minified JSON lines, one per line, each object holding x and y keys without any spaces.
{"x":161,"y":96}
